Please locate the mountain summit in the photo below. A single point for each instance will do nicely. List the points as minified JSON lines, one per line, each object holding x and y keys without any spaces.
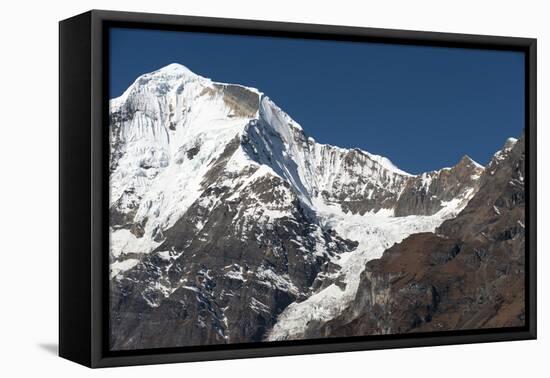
{"x":229,"y":224}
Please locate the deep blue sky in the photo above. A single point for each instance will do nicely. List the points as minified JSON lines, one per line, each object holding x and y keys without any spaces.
{"x":422,"y":107}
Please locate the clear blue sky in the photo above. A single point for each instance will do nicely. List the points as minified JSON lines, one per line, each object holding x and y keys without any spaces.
{"x":422,"y":107}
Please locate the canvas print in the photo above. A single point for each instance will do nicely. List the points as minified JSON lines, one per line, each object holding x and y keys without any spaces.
{"x":266,"y":189}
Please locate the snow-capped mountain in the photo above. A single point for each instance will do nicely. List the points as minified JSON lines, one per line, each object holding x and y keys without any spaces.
{"x":469,"y":274}
{"x":230,"y":224}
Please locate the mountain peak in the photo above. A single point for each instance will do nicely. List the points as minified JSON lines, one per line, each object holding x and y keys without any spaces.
{"x":501,"y":154}
{"x":510,"y":142}
{"x":175,"y":69}
{"x":467,"y":160}
{"x":161,"y":80}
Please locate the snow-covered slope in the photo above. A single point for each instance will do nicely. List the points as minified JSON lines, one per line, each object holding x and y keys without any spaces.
{"x":191,"y":157}
{"x":165,"y":130}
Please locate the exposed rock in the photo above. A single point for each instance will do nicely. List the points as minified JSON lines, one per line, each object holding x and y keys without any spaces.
{"x":242,"y":101}
{"x":424,"y":194}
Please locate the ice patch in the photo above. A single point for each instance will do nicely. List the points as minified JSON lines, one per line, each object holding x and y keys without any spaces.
{"x":121,"y":266}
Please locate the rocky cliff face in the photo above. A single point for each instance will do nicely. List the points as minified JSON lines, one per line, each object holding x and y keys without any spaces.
{"x":469,"y":274}
{"x":229,"y":224}
{"x":426,"y":194}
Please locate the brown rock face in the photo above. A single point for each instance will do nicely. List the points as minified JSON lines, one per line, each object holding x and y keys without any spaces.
{"x":242,"y":101}
{"x":425,"y":194}
{"x":470,"y":274}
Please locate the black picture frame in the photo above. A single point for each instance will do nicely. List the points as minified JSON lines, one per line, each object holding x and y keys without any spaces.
{"x":83,"y":181}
